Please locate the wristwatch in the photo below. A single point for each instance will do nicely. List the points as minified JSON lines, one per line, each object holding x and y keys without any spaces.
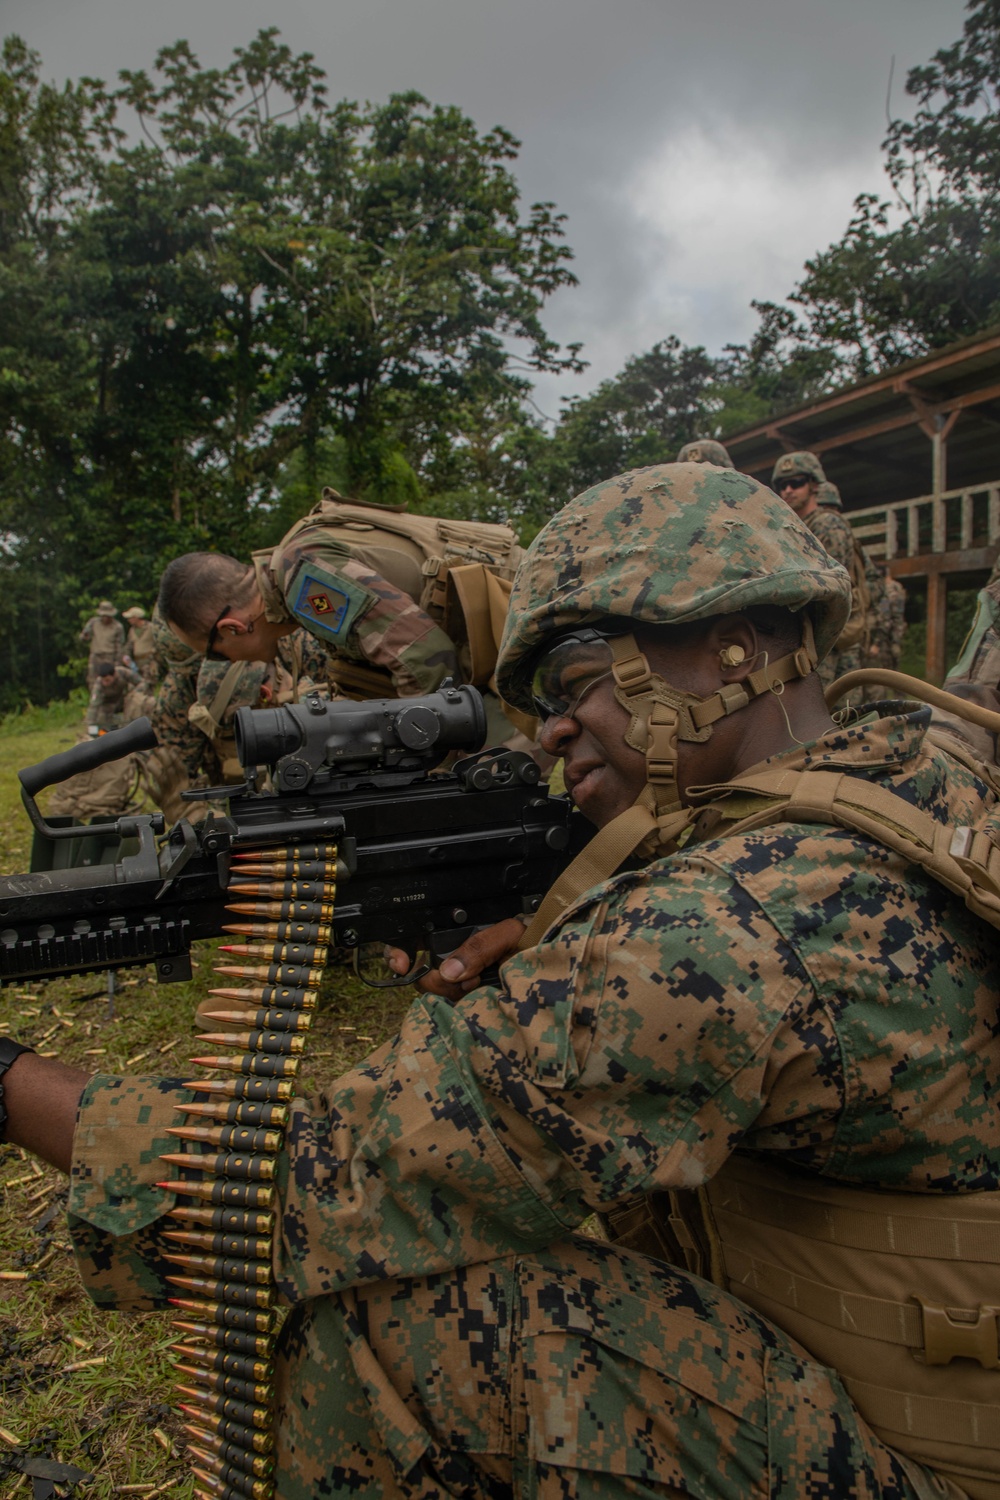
{"x":10,"y":1051}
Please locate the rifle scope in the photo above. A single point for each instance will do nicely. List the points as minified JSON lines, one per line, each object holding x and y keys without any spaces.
{"x":319,"y":739}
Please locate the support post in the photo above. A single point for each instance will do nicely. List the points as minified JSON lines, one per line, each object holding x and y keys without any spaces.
{"x":937,"y":617}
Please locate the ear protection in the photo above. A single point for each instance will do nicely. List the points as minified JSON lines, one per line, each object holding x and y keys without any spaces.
{"x":732,"y":656}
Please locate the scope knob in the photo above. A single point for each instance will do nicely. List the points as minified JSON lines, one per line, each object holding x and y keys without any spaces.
{"x":294,"y":775}
{"x":417,"y":727}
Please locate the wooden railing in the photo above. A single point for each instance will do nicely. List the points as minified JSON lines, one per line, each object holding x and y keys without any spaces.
{"x":955,"y":522}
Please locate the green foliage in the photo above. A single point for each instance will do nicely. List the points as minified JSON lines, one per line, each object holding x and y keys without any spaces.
{"x":200,"y":316}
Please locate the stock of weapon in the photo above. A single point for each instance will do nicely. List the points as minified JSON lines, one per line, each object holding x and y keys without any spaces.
{"x":425,"y":856}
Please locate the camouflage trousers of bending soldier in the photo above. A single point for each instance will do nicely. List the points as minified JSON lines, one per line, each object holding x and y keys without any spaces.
{"x":581,"y":1371}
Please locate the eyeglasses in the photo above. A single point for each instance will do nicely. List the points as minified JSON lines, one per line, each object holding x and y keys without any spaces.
{"x":210,"y":649}
{"x":567,"y":671}
{"x":791,"y":482}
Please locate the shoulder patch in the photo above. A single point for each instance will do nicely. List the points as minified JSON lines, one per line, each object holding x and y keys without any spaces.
{"x":327,"y":604}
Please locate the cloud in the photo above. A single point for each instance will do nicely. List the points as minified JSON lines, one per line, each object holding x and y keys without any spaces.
{"x":711,"y":218}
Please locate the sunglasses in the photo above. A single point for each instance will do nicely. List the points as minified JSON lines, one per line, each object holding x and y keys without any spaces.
{"x":793,"y":482}
{"x":567,"y":671}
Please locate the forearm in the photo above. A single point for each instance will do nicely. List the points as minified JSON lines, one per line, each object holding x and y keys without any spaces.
{"x":41,"y":1097}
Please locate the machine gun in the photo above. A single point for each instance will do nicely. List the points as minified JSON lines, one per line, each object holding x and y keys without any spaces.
{"x":425,"y":856}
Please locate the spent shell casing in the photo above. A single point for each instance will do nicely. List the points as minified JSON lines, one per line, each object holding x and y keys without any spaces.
{"x":259,"y":1064}
{"x":211,"y":1431}
{"x":234,"y":1137}
{"x":242,"y":1164}
{"x":228,"y":1315}
{"x":224,"y":1267}
{"x":257,"y":1090}
{"x":222,"y":1363}
{"x":224,"y":1220}
{"x":240,"y":1112}
{"x":239,"y":1294}
{"x":258,"y":1393}
{"x":207,"y":1447}
{"x":250,"y":1344}
{"x":228,"y":1194}
{"x":238,"y":1246}
{"x":218,"y":1485}
{"x":233,"y":1411}
{"x":261,"y":1020}
{"x":279,"y":1043}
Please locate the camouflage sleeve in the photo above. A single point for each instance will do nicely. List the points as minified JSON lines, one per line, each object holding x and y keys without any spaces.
{"x":979,"y":658}
{"x":835,"y":534}
{"x":630,"y":1051}
{"x":342,"y":601}
{"x":177,"y":692}
{"x":87,"y":632}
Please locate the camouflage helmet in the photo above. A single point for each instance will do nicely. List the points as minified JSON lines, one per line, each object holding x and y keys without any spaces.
{"x":106,"y":608}
{"x":665,"y":545}
{"x":798,"y":463}
{"x":705,"y":451}
{"x":828,"y":494}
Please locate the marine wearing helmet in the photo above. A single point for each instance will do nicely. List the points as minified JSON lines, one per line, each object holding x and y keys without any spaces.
{"x":705,"y":451}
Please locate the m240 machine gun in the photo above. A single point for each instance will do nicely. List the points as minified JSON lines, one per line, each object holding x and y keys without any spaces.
{"x":425,"y":856}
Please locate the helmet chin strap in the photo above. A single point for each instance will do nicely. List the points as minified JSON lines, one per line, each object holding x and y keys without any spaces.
{"x":659,"y":717}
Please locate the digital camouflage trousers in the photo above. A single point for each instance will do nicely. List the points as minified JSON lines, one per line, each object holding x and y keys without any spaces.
{"x":581,"y":1371}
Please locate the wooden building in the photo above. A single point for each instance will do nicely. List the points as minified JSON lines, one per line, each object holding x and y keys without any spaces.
{"x":915,"y":452}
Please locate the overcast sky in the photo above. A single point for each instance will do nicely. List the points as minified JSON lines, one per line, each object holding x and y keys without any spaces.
{"x":702,"y":149}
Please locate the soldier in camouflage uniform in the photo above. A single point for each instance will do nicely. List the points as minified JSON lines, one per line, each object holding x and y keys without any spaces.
{"x":222,"y":607}
{"x":105,"y":636}
{"x":797,"y":478}
{"x":140,"y":643}
{"x":792,"y":999}
{"x":705,"y":451}
{"x":108,"y":694}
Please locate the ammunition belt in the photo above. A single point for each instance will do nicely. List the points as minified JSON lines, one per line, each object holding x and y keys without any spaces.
{"x":225,"y":1358}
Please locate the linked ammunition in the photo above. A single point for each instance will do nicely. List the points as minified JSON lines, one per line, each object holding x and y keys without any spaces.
{"x":257,"y":1090}
{"x":230,"y":1194}
{"x":216,"y":1484}
{"x":237,"y":1294}
{"x":301,"y":854}
{"x":261,"y":1020}
{"x":259,"y":1393}
{"x":277,"y":1043}
{"x":233,"y":1411}
{"x":239,"y":1137}
{"x":219,"y":1362}
{"x":225,"y":1268}
{"x":260,"y":1345}
{"x":239,"y":1246}
{"x":298,"y":888}
{"x":228,"y":1453}
{"x":286,"y":996}
{"x":275,"y":973}
{"x":240,"y":1164}
{"x":241,"y":1112}
{"x":216,"y":1432}
{"x":299,"y":911}
{"x":282,"y":932}
{"x":224,"y":1220}
{"x":260,"y":1064}
{"x":246,"y":1319}
{"x":278,"y":953}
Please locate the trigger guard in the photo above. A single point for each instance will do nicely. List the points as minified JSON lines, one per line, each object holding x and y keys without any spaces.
{"x":410,"y":977}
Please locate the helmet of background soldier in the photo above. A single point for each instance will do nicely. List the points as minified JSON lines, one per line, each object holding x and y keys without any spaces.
{"x":106,"y":608}
{"x":135,"y":613}
{"x":667,"y":545}
{"x":705,"y":451}
{"x":828,"y":494}
{"x":798,"y":463}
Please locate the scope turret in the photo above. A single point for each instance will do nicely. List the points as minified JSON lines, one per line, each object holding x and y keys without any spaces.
{"x":318,"y":740}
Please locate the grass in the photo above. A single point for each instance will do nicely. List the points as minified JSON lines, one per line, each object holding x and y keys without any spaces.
{"x":87,"y":1388}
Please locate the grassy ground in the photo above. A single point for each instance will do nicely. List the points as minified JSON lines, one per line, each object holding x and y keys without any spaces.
{"x":90,"y":1389}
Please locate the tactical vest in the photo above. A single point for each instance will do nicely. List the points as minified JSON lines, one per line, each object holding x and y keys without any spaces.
{"x":858,"y":630}
{"x":459,"y":572}
{"x":898,"y":1292}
